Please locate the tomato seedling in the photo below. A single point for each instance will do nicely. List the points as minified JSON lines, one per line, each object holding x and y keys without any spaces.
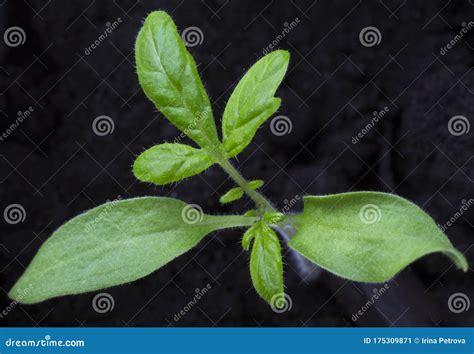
{"x":362,"y":236}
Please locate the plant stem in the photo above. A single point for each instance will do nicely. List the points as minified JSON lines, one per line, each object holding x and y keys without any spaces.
{"x":261,"y":202}
{"x":286,"y":229}
{"x":235,"y":220}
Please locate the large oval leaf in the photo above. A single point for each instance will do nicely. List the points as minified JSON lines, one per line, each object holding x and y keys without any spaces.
{"x":367,"y":236}
{"x":115,"y":243}
{"x":169,"y":78}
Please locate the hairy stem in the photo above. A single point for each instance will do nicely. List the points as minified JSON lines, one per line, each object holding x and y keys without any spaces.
{"x":286,"y":229}
{"x":237,"y":220}
{"x":261,"y":202}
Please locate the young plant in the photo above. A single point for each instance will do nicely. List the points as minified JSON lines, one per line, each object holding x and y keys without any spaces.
{"x":362,"y":236}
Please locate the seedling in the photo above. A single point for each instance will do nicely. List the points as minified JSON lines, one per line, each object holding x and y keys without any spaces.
{"x":362,"y":236}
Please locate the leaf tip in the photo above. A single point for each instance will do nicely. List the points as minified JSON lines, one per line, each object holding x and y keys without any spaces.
{"x":247,"y":238}
{"x":256,"y":184}
{"x":157,"y":15}
{"x":232,"y":195}
{"x":285,"y":54}
{"x":459,"y":259}
{"x":21,"y":294}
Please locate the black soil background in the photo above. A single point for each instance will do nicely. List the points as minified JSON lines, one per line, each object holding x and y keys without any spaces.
{"x":56,"y":167}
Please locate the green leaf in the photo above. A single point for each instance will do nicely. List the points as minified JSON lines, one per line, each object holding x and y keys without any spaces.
{"x":169,"y":78}
{"x":255,"y":184}
{"x":231,"y":195}
{"x":252,"y":101}
{"x":247,"y":238}
{"x":273,"y":217}
{"x":168,"y":163}
{"x":367,"y":236}
{"x":115,"y":243}
{"x":253,"y":213}
{"x":236,"y":193}
{"x":266,"y":267}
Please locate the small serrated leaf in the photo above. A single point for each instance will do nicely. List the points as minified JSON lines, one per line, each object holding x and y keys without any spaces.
{"x":266,"y":266}
{"x":247,"y":238}
{"x":255,"y":184}
{"x":253,"y":212}
{"x":273,"y":218}
{"x":231,"y":195}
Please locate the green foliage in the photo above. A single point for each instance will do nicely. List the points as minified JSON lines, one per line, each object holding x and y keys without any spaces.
{"x":364,"y":236}
{"x":253,"y":212}
{"x":115,"y":243}
{"x":169,"y":78}
{"x":166,"y":163}
{"x":367,"y":236}
{"x":236,"y":193}
{"x":231,"y":195}
{"x":247,"y":238}
{"x":255,"y":184}
{"x":273,"y":218}
{"x":252,"y":102}
{"x":266,"y":266}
